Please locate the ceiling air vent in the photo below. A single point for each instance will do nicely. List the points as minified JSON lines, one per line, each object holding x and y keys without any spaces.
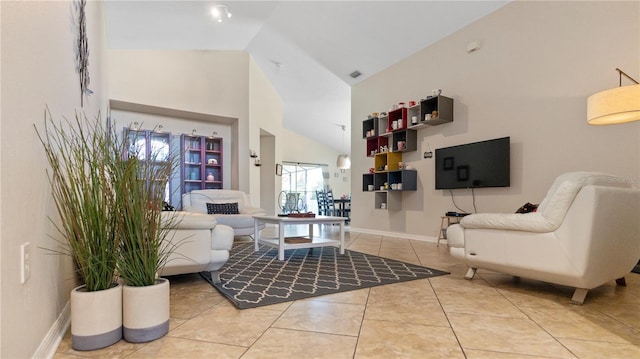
{"x":355,"y":74}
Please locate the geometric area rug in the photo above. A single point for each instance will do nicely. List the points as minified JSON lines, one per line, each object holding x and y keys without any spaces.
{"x":253,"y":279}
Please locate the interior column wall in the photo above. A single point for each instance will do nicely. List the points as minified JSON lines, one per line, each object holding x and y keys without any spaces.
{"x":265,"y":110}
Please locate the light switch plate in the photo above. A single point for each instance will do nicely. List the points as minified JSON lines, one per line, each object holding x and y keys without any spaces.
{"x":25,"y":262}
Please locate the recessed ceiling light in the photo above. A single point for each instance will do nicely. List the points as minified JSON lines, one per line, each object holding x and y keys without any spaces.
{"x":220,"y":12}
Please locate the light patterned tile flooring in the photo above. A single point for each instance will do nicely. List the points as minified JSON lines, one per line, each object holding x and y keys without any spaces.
{"x":491,"y":316}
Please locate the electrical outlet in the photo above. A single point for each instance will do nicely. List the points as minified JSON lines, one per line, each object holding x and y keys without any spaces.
{"x":25,"y":262}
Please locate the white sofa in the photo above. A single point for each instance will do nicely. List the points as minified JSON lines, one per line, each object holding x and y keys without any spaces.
{"x":585,"y":233}
{"x":242,"y":223}
{"x":199,"y":244}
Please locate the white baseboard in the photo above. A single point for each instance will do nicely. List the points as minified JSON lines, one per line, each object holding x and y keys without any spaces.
{"x":395,"y":234}
{"x":49,"y":345}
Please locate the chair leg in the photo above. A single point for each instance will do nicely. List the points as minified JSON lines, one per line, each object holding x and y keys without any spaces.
{"x":578,"y":296}
{"x":470,"y":273}
{"x":621,"y":282}
{"x":215,"y":276}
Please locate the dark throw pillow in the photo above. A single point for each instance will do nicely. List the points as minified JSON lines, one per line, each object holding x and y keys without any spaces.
{"x":527,"y":208}
{"x":223,"y":208}
{"x":166,"y":206}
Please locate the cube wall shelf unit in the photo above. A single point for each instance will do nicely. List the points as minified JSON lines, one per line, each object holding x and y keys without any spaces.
{"x":387,"y":137}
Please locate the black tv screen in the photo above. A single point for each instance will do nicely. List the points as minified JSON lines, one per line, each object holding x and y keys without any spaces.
{"x":474,"y":165}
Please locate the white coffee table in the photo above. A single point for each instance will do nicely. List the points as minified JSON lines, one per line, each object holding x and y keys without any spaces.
{"x":283,"y":221}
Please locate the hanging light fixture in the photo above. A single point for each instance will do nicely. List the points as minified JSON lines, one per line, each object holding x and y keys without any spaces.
{"x":618,"y":105}
{"x":343,"y":162}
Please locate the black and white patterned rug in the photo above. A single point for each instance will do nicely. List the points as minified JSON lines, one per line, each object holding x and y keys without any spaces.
{"x":253,"y":279}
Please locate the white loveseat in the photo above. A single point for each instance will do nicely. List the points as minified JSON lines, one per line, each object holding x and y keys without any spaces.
{"x":585,"y":233}
{"x":242,"y":223}
{"x":199,"y":244}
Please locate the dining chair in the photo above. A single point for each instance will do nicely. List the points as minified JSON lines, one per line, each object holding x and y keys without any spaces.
{"x":330,"y":205}
{"x":321,"y":199}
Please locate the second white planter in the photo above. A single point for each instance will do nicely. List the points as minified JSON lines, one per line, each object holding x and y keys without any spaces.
{"x":145,"y":311}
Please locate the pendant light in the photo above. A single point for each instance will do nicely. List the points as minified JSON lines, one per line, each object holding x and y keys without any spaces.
{"x":617,"y":105}
{"x":343,"y":162}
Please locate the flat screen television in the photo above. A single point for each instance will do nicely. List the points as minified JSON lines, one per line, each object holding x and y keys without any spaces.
{"x":474,"y":165}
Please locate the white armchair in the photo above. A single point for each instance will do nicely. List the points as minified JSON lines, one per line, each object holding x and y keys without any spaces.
{"x":200,"y":244}
{"x":585,"y":233}
{"x":242,"y":223}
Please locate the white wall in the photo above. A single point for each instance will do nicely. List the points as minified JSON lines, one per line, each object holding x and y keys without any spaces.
{"x":38,"y":70}
{"x":538,"y":63}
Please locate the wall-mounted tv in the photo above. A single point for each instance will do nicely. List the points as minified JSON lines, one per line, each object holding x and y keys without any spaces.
{"x":474,"y":165}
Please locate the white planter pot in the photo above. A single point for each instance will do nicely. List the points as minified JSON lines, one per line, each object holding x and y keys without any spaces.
{"x":96,"y":317}
{"x":145,"y":311}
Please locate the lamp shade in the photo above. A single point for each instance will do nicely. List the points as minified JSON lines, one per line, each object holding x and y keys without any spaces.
{"x":618,"y":105}
{"x":343,"y":162}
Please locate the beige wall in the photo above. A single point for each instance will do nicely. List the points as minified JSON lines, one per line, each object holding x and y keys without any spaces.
{"x":302,"y":149}
{"x":220,"y":83}
{"x":177,"y":126}
{"x":38,"y":70}
{"x":224,"y":83}
{"x":207,"y":82}
{"x":265,"y":110}
{"x":538,"y":63}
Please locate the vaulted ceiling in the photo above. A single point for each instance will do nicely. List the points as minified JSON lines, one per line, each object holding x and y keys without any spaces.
{"x":307,"y":49}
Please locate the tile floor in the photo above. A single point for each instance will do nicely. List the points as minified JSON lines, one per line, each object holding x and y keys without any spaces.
{"x":491,"y":316}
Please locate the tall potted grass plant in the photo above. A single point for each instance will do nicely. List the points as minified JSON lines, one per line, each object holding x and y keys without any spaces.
{"x":141,"y":182}
{"x":80,"y":155}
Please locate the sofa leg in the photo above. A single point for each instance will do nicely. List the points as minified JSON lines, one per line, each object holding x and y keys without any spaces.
{"x":215,"y":276}
{"x":621,"y":282}
{"x":578,"y":296}
{"x":470,"y":273}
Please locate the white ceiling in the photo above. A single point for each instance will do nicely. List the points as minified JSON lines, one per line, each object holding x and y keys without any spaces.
{"x":306,"y":48}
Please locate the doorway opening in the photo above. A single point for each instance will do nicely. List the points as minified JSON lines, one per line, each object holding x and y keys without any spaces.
{"x":300,"y":181}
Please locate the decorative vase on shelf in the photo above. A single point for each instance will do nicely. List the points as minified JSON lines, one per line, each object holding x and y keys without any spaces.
{"x":210,"y":177}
